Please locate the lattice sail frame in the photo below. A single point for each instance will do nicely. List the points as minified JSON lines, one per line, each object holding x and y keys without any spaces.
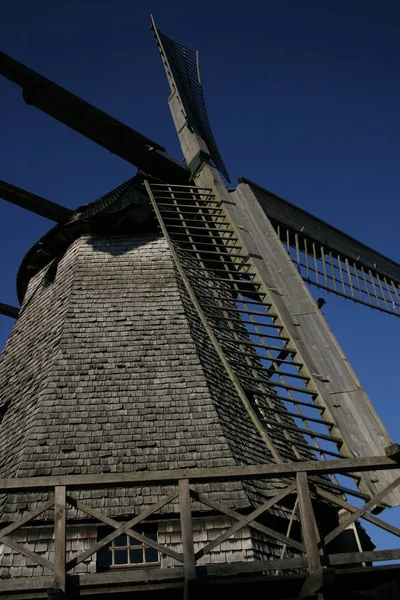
{"x":329,"y":259}
{"x":333,"y":271}
{"x":183,"y":64}
{"x":238,"y":314}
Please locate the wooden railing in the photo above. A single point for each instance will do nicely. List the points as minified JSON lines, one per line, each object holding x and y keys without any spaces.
{"x":309,"y":554}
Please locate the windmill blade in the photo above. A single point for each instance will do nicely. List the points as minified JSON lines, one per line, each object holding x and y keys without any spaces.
{"x":329,"y":258}
{"x":9,"y":311}
{"x":36,"y":204}
{"x":183,"y":66}
{"x":93,"y":123}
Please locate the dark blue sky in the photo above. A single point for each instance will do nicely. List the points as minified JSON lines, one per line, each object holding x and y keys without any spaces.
{"x":303,"y":98}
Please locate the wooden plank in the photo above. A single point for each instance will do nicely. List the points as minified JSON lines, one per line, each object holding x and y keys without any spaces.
{"x":60,"y":515}
{"x":26,"y":518}
{"x":120,"y":529}
{"x":25,"y":583}
{"x":308,"y":527}
{"x":371,"y":518}
{"x":346,"y":558}
{"x":254,"y":525}
{"x":245,"y":520}
{"x":189,"y":564}
{"x":130,"y":576}
{"x":172,"y":476}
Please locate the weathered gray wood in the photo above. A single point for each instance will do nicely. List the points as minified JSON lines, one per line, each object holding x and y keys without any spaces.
{"x":230,"y":372}
{"x":243,"y":521}
{"x":300,"y":220}
{"x":25,"y":583}
{"x":26,"y":518}
{"x":308,"y":527}
{"x":371,"y":518}
{"x":28,"y":553}
{"x":197,"y":475}
{"x":60,"y":514}
{"x":189,"y":565}
{"x":339,"y":390}
{"x":370,"y":505}
{"x":347,"y":558}
{"x":254,"y":525}
{"x":120,"y":529}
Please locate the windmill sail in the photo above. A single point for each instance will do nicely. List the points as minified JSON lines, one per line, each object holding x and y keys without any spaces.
{"x":184,"y":66}
{"x":330,"y":259}
{"x":300,"y":363}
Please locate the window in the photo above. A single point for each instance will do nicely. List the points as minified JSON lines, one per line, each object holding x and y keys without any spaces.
{"x":125,"y":551}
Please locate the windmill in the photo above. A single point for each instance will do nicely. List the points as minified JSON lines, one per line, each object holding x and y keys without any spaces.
{"x":171,"y":379}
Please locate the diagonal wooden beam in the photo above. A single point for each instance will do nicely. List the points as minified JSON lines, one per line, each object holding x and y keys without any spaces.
{"x":243,"y":521}
{"x":9,"y":311}
{"x":36,"y":204}
{"x":359,"y":512}
{"x":93,"y":123}
{"x":28,"y":553}
{"x":254,"y":524}
{"x":26,"y":518}
{"x":120,"y":529}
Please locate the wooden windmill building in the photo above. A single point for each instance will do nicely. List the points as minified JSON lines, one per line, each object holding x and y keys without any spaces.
{"x":176,"y":414}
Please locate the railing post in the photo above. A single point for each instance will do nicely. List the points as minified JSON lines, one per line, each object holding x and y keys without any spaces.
{"x":310,"y":538}
{"x":59,"y":540}
{"x":187,"y":536}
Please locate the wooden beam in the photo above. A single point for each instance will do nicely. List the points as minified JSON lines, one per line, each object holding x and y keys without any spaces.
{"x":370,"y":505}
{"x":310,"y":537}
{"x":26,"y":518}
{"x":338,"y":390}
{"x":371,"y":518}
{"x":198,"y":475}
{"x":9,"y":311}
{"x":291,"y":215}
{"x":36,"y":204}
{"x":59,"y":538}
{"x":189,"y":564}
{"x":40,"y":560}
{"x":93,"y":123}
{"x":308,"y":527}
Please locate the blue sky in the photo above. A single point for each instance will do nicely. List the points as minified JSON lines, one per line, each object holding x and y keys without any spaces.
{"x":303,"y":98}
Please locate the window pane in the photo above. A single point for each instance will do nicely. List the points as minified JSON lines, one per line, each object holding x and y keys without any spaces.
{"x":104,"y":558}
{"x":134,"y":542}
{"x":120,"y":540}
{"x":136,"y":556}
{"x":121,"y":557}
{"x":151,"y":554}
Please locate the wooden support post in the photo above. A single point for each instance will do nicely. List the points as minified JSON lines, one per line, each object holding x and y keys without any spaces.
{"x":310,"y":537}
{"x":59,"y":539}
{"x":187,"y":536}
